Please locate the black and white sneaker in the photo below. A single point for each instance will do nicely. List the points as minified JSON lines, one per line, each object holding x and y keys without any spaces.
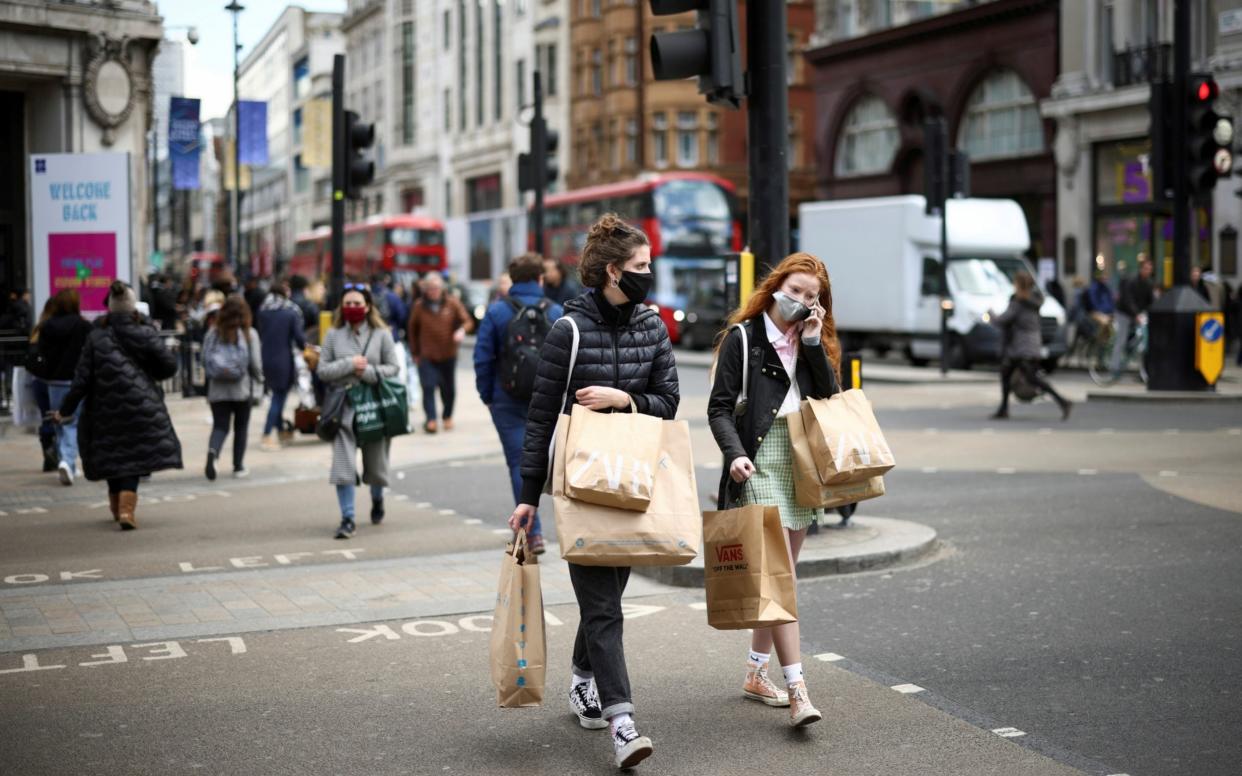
{"x":346,"y":529}
{"x":584,"y":701}
{"x":630,"y":747}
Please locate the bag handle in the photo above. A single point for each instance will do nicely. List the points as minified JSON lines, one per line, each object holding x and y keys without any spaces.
{"x":573,"y":360}
{"x":739,"y":408}
{"x":519,"y":550}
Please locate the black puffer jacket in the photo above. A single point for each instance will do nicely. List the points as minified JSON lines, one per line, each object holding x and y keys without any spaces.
{"x":767,"y":385}
{"x":125,"y":429}
{"x":633,"y":355}
{"x":61,"y":339}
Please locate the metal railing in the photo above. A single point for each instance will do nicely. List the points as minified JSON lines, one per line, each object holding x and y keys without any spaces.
{"x":1143,"y":64}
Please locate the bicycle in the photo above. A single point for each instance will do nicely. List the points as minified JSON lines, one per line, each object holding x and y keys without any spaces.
{"x":1100,"y":365}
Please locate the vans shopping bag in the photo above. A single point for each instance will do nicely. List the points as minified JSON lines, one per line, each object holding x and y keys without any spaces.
{"x":845,"y":438}
{"x":517,"y":646}
{"x":668,"y":533}
{"x":809,"y":490}
{"x":746,"y":569}
{"x":610,"y":458}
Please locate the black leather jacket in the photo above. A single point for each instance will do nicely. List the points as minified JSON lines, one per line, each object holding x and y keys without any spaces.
{"x":767,"y":385}
{"x":634,"y":355}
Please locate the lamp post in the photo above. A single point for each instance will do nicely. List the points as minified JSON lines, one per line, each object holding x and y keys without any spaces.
{"x":235,"y":8}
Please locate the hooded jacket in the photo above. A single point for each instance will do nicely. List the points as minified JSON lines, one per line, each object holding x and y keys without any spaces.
{"x":633,"y":354}
{"x":61,"y":339}
{"x":1020,"y":323}
{"x":125,"y":429}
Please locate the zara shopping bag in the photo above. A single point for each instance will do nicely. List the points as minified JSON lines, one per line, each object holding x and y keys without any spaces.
{"x":747,"y":570}
{"x":809,"y":490}
{"x":668,"y":533}
{"x":845,"y":438}
{"x":517,"y":647}
{"x":610,"y":458}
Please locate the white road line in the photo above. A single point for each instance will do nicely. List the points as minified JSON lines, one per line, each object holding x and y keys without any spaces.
{"x":700,"y":606}
{"x":1008,"y":732}
{"x":400,"y":497}
{"x":499,"y":531}
{"x":1167,"y":473}
{"x":1235,"y":432}
{"x":829,"y":657}
{"x":472,"y":521}
{"x":446,"y":511}
{"x":930,"y":470}
{"x":422,"y":505}
{"x":1006,"y":470}
{"x":1088,"y":472}
{"x":907,"y":689}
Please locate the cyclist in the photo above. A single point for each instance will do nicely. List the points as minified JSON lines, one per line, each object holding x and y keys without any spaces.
{"x":1136,"y":296}
{"x":1098,"y":303}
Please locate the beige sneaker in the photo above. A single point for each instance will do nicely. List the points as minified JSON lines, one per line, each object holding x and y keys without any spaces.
{"x":269,"y":444}
{"x":801,"y":712}
{"x":759,"y":687}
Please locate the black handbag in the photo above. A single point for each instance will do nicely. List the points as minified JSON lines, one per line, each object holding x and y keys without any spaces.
{"x":330,"y":414}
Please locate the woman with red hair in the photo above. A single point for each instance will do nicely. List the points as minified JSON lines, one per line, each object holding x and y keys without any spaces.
{"x":791,"y":353}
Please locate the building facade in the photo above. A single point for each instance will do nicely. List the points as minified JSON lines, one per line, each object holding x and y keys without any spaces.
{"x":75,"y":77}
{"x":291,"y":65}
{"x":1110,"y":52}
{"x":985,"y":67}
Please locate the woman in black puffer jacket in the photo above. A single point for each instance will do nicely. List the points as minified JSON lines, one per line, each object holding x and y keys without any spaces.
{"x":125,"y":432}
{"x":623,"y":353}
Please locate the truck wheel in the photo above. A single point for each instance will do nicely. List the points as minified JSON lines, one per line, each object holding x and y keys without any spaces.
{"x":913,"y":359}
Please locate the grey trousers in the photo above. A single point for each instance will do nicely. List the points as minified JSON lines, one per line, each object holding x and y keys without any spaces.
{"x":598,"y":648}
{"x":1122,"y":324}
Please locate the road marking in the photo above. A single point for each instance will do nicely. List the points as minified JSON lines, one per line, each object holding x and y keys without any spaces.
{"x":634,"y":611}
{"x":401,"y":475}
{"x":400,"y":497}
{"x":472,"y":521}
{"x":499,"y":531}
{"x":474,"y":623}
{"x":1088,"y":472}
{"x":1006,"y":470}
{"x":930,"y":470}
{"x":1235,"y":432}
{"x":1107,"y":431}
{"x":1167,"y":473}
{"x":369,"y":633}
{"x":907,"y":689}
{"x":29,"y":663}
{"x":700,"y":606}
{"x":439,"y":628}
{"x":1008,"y":732}
{"x":829,"y":657}
{"x":422,"y":505}
{"x":446,"y":511}
{"x":1044,"y":431}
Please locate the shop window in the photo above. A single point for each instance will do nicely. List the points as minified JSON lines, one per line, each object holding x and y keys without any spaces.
{"x":1002,"y":119}
{"x":868,"y":140}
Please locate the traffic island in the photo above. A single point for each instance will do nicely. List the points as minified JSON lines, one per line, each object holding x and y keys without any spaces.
{"x":865,"y":544}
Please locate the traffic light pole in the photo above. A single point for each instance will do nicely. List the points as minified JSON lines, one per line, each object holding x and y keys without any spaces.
{"x":768,"y":126}
{"x":1181,"y":182}
{"x":339,"y":172}
{"x":539,"y":162}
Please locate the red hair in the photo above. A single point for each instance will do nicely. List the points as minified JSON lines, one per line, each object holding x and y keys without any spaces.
{"x":761,"y":300}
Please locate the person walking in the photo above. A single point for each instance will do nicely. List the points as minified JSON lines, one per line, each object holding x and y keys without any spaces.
{"x":624,"y":355}
{"x":358,"y":348}
{"x":1136,"y":296}
{"x":61,"y":340}
{"x":125,"y":432}
{"x":280,"y":330}
{"x":438,"y":324}
{"x":37,"y":366}
{"x":558,"y":285}
{"x":1022,"y":343}
{"x":506,"y":360}
{"x":232,"y":357}
{"x":789,"y":326}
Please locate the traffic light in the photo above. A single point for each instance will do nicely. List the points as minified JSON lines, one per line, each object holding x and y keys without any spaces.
{"x":1209,"y":136}
{"x":359,"y":170}
{"x":712,"y":50}
{"x":543,"y":143}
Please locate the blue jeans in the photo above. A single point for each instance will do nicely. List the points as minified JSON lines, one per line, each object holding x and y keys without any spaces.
{"x":345,"y":497}
{"x":67,"y":431}
{"x":442,"y":375}
{"x":274,"y":412}
{"x":509,"y":417}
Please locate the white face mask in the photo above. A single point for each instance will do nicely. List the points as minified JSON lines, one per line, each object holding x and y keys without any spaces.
{"x":790,"y":309}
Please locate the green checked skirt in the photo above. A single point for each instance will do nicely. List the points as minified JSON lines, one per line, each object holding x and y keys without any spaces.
{"x":772,"y":482}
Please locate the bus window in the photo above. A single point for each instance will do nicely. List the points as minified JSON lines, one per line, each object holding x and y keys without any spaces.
{"x":408,"y":238}
{"x":693,"y":215}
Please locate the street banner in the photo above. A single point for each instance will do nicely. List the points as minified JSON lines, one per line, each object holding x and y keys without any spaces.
{"x":317,"y":134}
{"x":80,"y":226}
{"x":1210,"y":345}
{"x":184,"y":142}
{"x":253,"y":132}
{"x":226,"y":168}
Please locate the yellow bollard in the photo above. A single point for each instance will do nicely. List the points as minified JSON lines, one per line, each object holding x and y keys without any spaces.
{"x":745,"y":275}
{"x":325,"y":323}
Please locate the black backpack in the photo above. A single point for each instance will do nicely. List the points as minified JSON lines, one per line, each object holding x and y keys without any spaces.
{"x":519,"y":361}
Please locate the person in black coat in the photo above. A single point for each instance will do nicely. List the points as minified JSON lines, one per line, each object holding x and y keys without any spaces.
{"x":280,"y":329}
{"x":624,"y":354}
{"x":791,"y":353}
{"x":125,"y":432}
{"x":61,"y":340}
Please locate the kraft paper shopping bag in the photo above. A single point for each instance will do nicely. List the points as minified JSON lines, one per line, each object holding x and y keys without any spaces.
{"x":845,"y":438}
{"x":517,"y":646}
{"x":610,"y":458}
{"x":746,"y":569}
{"x":809,"y":491}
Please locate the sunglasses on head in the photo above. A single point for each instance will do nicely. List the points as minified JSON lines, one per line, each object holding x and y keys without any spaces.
{"x":356,"y":287}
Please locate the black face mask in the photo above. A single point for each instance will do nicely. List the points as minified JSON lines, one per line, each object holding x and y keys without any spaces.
{"x":636,"y":285}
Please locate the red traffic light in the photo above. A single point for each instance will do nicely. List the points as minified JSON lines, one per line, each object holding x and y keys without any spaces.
{"x":1206,"y":90}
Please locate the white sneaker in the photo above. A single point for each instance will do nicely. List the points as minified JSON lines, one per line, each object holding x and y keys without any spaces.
{"x":269,"y":444}
{"x":630,"y":748}
{"x":241,"y":474}
{"x":584,"y":701}
{"x":66,"y":473}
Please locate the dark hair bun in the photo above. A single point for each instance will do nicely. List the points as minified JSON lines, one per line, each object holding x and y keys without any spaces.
{"x":607,"y":226}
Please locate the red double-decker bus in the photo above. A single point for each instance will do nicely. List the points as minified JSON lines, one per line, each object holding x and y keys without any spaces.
{"x":691,"y":220}
{"x":401,"y":246}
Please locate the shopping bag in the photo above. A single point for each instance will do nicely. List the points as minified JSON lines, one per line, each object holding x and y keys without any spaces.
{"x":845,"y":438}
{"x":610,"y":458}
{"x":746,"y":569}
{"x":517,"y":647}
{"x":809,"y":490}
{"x":393,"y":409}
{"x":668,"y":533}
{"x":26,"y":412}
{"x":368,"y":420}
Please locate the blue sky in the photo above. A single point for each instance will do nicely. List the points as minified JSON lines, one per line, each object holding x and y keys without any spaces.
{"x":209,"y":69}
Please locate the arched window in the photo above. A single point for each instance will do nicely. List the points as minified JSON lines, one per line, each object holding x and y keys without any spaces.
{"x":1001,"y":119}
{"x":868,"y":139}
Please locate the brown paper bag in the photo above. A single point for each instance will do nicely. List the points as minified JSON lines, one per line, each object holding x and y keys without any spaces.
{"x":845,"y":438}
{"x":610,"y":458}
{"x":518,"y":650}
{"x":746,"y":569}
{"x":808,"y":490}
{"x":668,"y":533}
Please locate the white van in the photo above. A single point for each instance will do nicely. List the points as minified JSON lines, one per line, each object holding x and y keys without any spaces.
{"x":883,"y":255}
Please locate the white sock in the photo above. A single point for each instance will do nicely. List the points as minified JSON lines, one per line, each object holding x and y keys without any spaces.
{"x":759,"y":658}
{"x":579,"y":680}
{"x":793,"y":673}
{"x":618,"y":720}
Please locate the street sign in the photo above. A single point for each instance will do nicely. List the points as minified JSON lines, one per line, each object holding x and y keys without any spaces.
{"x":1210,"y":345}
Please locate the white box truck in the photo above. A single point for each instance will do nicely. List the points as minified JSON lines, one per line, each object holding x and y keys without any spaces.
{"x":883,"y":255}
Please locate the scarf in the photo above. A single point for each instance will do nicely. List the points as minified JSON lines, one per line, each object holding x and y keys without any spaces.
{"x":278,"y":302}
